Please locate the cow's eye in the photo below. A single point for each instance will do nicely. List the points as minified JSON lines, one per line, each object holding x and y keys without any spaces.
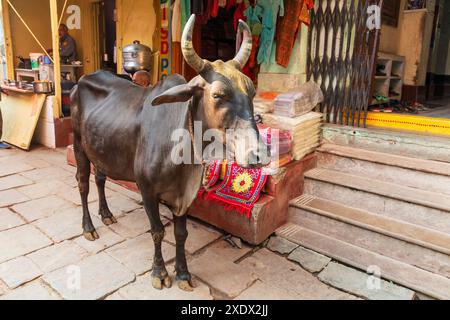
{"x":218,"y":96}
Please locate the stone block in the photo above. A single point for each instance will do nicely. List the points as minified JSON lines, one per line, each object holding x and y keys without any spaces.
{"x":362,"y":284}
{"x":281,"y":245}
{"x":13,"y":181}
{"x":35,"y":290}
{"x":19,"y":271}
{"x":199,"y":236}
{"x":9,"y":219}
{"x":21,"y":241}
{"x":281,"y":273}
{"x":42,"y":208}
{"x":11,"y":197}
{"x":137,"y":254}
{"x":58,"y":256}
{"x":93,"y":278}
{"x":311,"y":261}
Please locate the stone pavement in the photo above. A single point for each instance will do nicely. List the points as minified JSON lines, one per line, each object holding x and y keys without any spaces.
{"x":44,"y":256}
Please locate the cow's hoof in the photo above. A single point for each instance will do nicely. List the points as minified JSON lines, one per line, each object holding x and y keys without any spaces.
{"x":159,"y":283}
{"x":186,"y":285}
{"x":109,"y":221}
{"x":91,"y":236}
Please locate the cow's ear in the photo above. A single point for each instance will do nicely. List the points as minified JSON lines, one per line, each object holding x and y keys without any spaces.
{"x":180,"y":93}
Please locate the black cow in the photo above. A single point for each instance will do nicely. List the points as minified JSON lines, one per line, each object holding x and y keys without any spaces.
{"x":125,"y":132}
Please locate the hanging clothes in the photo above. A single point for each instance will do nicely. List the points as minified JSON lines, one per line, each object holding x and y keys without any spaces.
{"x":185,"y":12}
{"x":288,"y":27}
{"x":176,"y":21}
{"x":239,"y":14}
{"x":231,"y":4}
{"x":197,"y":7}
{"x":272,"y":9}
{"x":214,"y":4}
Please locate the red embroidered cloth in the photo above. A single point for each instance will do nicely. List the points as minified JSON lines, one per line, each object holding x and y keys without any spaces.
{"x":240,"y":190}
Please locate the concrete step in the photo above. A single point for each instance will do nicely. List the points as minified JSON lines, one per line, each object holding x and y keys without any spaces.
{"x":417,"y":279}
{"x":415,"y":206}
{"x":422,"y":247}
{"x":415,"y":145}
{"x":412,"y":172}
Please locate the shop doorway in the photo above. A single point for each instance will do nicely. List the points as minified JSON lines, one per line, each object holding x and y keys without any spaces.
{"x":104,"y":31}
{"x":215,"y":40}
{"x":437,"y":98}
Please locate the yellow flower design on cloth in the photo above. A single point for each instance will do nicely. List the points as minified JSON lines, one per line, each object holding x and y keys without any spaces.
{"x":242,"y":183}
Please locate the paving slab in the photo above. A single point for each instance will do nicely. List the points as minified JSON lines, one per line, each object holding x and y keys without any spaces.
{"x":142,"y":289}
{"x":133,"y":224}
{"x":199,"y":236}
{"x":120,"y":204}
{"x":19,"y":271}
{"x":43,"y":189}
{"x":63,"y":225}
{"x":20,"y":241}
{"x":42,"y":208}
{"x":93,"y":278}
{"x":280,"y":272}
{"x":11,"y":197}
{"x":221,"y":274}
{"x":123,"y":191}
{"x":108,"y":238}
{"x":265,"y":291}
{"x":8,"y":167}
{"x":9,"y":219}
{"x":362,"y":284}
{"x":46,"y":174}
{"x":35,"y":290}
{"x":281,"y":245}
{"x":229,"y":252}
{"x":13,"y":181}
{"x":312,"y":261}
{"x":137,"y":254}
{"x":57,"y":256}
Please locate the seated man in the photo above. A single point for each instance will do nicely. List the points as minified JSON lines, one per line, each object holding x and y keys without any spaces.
{"x":142,"y":78}
{"x":67,"y":45}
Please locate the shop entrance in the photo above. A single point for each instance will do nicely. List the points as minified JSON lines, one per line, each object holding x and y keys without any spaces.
{"x":104,"y":30}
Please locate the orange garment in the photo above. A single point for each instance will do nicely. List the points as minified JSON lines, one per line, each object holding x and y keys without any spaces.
{"x":295,"y":13}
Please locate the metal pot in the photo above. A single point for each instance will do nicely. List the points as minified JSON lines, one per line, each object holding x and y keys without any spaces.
{"x":42,"y":87}
{"x":137,"y":57}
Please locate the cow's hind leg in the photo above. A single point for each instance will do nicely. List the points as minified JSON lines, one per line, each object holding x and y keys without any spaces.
{"x":160,"y":275}
{"x":184,"y":278}
{"x":104,"y":212}
{"x":83,"y":174}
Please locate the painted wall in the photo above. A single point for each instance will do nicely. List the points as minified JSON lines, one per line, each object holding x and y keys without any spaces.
{"x":137,"y":20}
{"x":389,"y":41}
{"x":36,"y":14}
{"x":411,"y":39}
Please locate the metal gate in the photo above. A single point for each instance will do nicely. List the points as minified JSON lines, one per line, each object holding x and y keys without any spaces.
{"x":341,"y":57}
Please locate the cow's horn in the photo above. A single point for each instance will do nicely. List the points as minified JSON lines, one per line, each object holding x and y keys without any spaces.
{"x":246,"y":48}
{"x":187,"y":47}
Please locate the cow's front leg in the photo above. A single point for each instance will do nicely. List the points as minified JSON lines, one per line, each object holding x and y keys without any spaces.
{"x":160,"y":275}
{"x":184,"y":278}
{"x":104,"y":212}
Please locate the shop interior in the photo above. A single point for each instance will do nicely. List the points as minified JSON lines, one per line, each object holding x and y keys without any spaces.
{"x":412,"y":76}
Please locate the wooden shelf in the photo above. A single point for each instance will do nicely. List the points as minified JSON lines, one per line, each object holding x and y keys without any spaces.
{"x":394,"y":68}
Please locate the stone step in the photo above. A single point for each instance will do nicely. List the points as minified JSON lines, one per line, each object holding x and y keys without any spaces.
{"x":412,"y":172}
{"x":415,"y":206}
{"x":403,"y":143}
{"x":417,"y":279}
{"x":422,"y":247}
